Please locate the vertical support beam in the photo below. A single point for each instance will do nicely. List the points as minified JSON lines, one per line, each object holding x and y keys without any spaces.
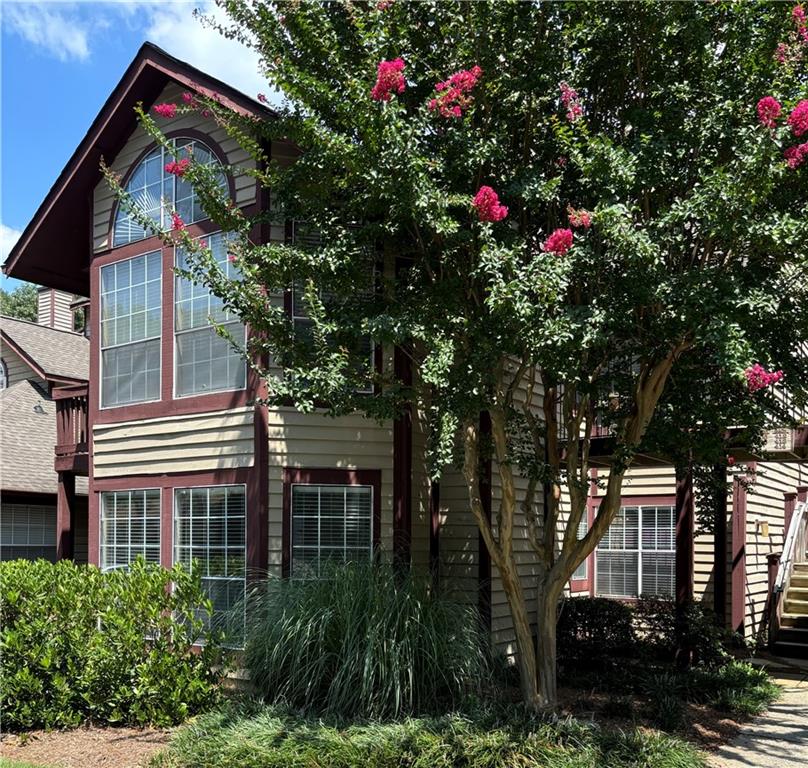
{"x":773,"y":564}
{"x":685,"y":525}
{"x":802,"y":493}
{"x":789,"y":504}
{"x":402,"y":467}
{"x":434,"y":533}
{"x":738,"y":582}
{"x":65,"y":515}
{"x":720,"y":546}
{"x":483,"y":556}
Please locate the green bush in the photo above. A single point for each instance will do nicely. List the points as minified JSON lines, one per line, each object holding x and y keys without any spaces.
{"x":737,"y":688}
{"x":594,"y":633}
{"x":697,"y":630}
{"x":276,"y":738}
{"x":366,"y":641}
{"x":78,"y":644}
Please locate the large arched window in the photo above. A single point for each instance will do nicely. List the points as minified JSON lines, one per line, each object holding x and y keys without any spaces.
{"x":157,"y":192}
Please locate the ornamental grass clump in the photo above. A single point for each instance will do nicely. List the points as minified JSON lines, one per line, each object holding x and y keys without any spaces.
{"x":364,"y":641}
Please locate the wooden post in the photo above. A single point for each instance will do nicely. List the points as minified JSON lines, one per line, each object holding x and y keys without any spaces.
{"x":789,"y":504}
{"x":483,"y":555}
{"x":434,"y":533}
{"x":720,"y":547}
{"x":685,"y":525}
{"x":738,"y":557}
{"x":65,"y":515}
{"x":773,"y":564}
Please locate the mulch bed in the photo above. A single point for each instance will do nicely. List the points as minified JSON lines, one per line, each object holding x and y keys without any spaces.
{"x":85,"y":747}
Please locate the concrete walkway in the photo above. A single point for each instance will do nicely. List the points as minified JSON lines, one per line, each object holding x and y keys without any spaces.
{"x":778,"y":738}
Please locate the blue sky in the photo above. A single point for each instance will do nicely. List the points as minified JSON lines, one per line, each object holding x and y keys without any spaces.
{"x":58,"y":63}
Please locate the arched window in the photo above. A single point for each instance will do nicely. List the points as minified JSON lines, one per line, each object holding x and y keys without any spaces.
{"x":157,"y":192}
{"x":3,"y":374}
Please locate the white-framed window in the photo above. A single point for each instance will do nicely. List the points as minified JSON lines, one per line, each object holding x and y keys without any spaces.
{"x":156,"y":192}
{"x":131,"y":317}
{"x":3,"y":374}
{"x":130,"y":526}
{"x":330,"y":524}
{"x":210,"y":534}
{"x":204,"y":361}
{"x":637,"y":556}
{"x":582,"y":571}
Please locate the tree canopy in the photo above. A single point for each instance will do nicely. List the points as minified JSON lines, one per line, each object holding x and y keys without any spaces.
{"x":21,"y":302}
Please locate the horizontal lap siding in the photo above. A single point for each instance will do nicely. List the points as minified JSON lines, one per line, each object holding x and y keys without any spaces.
{"x":421,"y":487}
{"x":765,"y":504}
{"x":208,"y":441}
{"x":104,"y":199}
{"x":459,"y":537}
{"x":318,"y":441}
{"x":18,"y":369}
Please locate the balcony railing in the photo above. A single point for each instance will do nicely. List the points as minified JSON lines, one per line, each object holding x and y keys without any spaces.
{"x":72,"y":429}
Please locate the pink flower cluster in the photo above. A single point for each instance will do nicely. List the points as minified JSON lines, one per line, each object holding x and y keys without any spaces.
{"x":166,"y":110}
{"x":791,"y":52}
{"x":569,"y":98}
{"x":486,"y":203}
{"x":798,"y":15}
{"x":559,"y":242}
{"x":454,"y":96}
{"x":796,"y":156}
{"x":798,"y":119}
{"x":389,"y":80}
{"x":263,"y":99}
{"x":383,"y":5}
{"x":178,"y":167}
{"x":177,"y":224}
{"x":757,"y":377}
{"x":768,"y":110}
{"x":580,"y":218}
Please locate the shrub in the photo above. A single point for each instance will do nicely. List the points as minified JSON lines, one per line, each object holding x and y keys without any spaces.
{"x":276,"y":738}
{"x":737,"y":688}
{"x":116,"y":647}
{"x":365,"y":641}
{"x":594,"y":632}
{"x":698,"y":630}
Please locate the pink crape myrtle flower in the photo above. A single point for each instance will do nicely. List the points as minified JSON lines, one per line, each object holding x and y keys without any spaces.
{"x":798,"y":119}
{"x":389,"y":80}
{"x":486,"y":202}
{"x":178,"y":168}
{"x":454,"y":98}
{"x":768,"y":110}
{"x":757,"y":377}
{"x":580,"y":218}
{"x":165,"y":110}
{"x":559,"y":242}
{"x":798,"y":14}
{"x":383,"y":5}
{"x":569,"y":98}
{"x":796,"y":156}
{"x":177,"y":224}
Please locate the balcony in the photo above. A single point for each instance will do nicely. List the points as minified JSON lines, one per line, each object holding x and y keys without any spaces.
{"x":72,"y":429}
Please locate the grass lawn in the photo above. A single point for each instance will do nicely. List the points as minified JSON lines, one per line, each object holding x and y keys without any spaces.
{"x":249,"y":736}
{"x":5,"y":763}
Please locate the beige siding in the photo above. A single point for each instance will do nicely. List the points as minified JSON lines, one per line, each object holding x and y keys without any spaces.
{"x":104,"y":199}
{"x":764,"y":504}
{"x":421,"y":486}
{"x":216,"y":440}
{"x":317,"y":441}
{"x":18,"y":369}
{"x":458,"y":538}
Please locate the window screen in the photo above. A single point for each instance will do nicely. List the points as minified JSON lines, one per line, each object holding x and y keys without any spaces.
{"x":130,"y":526}
{"x":330,"y":523}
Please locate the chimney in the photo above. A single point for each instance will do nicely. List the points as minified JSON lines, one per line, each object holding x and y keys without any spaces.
{"x":53,"y":309}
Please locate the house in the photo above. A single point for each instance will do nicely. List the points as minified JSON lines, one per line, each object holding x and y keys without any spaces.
{"x":184,"y":465}
{"x":36,"y":359}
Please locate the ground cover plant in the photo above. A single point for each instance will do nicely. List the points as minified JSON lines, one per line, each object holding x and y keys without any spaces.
{"x":78,"y":644}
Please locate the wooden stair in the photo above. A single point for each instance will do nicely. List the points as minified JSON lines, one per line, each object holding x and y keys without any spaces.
{"x":792,"y":639}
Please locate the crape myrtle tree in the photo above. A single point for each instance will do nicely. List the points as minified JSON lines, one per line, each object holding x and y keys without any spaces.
{"x":566,"y":216}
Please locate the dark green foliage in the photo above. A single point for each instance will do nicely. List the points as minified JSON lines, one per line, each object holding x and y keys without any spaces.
{"x":20,"y":303}
{"x":737,"y":688}
{"x":364,"y":642}
{"x":78,"y":644}
{"x":594,"y":632}
{"x":275,"y":738}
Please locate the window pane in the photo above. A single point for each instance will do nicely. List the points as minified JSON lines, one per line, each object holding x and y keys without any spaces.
{"x":617,"y":574}
{"x":130,"y":527}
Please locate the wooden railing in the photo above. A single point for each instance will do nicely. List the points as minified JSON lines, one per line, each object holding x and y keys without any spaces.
{"x":72,"y":429}
{"x":793,"y":552}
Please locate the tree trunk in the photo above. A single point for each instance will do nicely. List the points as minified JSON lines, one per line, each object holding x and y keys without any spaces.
{"x":547,"y":615}
{"x":525,"y":647}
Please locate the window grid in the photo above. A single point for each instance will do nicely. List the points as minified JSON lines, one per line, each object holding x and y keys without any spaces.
{"x":131,"y":317}
{"x":130,"y":526}
{"x":156,"y":192}
{"x":582,"y":571}
{"x":210,"y":531}
{"x":204,"y":361}
{"x":322,"y":514}
{"x":637,"y":555}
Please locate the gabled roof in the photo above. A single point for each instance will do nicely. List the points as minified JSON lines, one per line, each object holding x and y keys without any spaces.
{"x":54,"y":249}
{"x":28,"y":437}
{"x":56,"y":356}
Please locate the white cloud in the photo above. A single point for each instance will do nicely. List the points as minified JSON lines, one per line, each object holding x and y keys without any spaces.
{"x":8,"y":236}
{"x":55,"y":29}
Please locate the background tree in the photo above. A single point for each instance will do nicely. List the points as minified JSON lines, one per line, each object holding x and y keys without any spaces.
{"x":20,"y":302}
{"x":565,"y":215}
